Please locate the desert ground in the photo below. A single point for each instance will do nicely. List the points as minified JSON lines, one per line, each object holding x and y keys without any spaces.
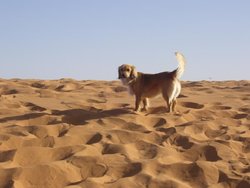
{"x":69,"y":133}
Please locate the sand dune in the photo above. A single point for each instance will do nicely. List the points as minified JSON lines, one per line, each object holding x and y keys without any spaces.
{"x":68,"y":133}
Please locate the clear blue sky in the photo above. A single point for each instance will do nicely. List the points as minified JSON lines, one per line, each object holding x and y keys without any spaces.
{"x":89,"y":39}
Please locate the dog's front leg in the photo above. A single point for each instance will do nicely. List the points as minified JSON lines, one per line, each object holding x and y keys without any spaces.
{"x":137,"y":103}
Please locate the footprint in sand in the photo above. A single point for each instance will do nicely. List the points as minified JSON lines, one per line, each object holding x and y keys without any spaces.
{"x":192,"y":105}
{"x":245,"y":98}
{"x":223,"y":177}
{"x":243,"y":184}
{"x":132,"y":169}
{"x":113,"y":149}
{"x":142,"y":149}
{"x":159,"y":122}
{"x":119,"y":166}
{"x":95,"y":139}
{"x":146,"y":150}
{"x":38,"y":131}
{"x":4,"y":137}
{"x":124,"y":105}
{"x":246,"y":145}
{"x":7,"y":155}
{"x":191,"y":173}
{"x":67,"y":87}
{"x":62,"y":132}
{"x":168,"y":131}
{"x":48,"y":141}
{"x":7,"y":176}
{"x":89,"y":166}
{"x":124,"y":136}
{"x":182,"y":96}
{"x":210,"y":133}
{"x":135,"y":127}
{"x":119,"y":89}
{"x":240,"y":116}
{"x":97,"y":101}
{"x":245,"y":109}
{"x":183,"y":141}
{"x":210,"y":153}
{"x":10,"y":92}
{"x":34,"y":107}
{"x":16,"y":130}
{"x":38,"y":85}
{"x":221,"y":107}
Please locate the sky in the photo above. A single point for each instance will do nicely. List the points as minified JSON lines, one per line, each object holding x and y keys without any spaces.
{"x":89,"y":39}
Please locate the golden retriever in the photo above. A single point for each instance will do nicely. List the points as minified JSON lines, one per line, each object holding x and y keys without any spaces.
{"x":145,"y":86}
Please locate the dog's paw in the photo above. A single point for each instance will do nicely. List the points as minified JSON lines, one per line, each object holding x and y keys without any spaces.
{"x":144,"y":109}
{"x":177,"y":113}
{"x":137,"y":109}
{"x":138,"y":112}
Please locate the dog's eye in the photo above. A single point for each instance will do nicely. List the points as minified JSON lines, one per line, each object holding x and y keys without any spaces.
{"x":127,"y":70}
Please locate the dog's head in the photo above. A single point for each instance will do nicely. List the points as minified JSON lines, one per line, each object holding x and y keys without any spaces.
{"x":127,"y":71}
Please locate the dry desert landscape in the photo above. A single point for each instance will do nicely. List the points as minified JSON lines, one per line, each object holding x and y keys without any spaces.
{"x":69,"y":133}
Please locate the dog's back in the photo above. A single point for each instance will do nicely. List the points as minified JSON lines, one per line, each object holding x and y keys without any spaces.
{"x":151,"y":85}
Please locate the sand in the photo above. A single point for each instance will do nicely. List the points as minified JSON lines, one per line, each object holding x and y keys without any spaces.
{"x":68,"y":133}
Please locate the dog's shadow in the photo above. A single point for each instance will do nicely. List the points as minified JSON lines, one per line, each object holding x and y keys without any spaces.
{"x":81,"y":116}
{"x":71,"y":116}
{"x":22,"y":117}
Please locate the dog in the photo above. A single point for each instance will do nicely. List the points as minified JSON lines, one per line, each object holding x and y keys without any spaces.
{"x":145,"y":86}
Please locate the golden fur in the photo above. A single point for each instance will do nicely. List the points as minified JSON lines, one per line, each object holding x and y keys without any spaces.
{"x":145,"y":86}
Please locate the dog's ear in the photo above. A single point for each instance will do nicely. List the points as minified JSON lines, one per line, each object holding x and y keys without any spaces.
{"x":119,"y":72}
{"x":133,"y":73}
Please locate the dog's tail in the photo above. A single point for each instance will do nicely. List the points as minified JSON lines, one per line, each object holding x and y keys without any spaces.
{"x":179,"y":71}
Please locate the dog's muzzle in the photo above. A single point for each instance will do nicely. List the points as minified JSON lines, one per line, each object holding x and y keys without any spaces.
{"x":121,"y":76}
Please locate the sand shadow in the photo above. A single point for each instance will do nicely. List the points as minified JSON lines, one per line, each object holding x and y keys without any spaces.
{"x":157,"y":110}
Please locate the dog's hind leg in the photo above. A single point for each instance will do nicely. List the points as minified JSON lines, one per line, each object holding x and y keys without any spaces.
{"x":145,"y":104}
{"x":169,"y":104}
{"x":173,"y":105}
{"x":166,"y":98}
{"x":176,"y":94}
